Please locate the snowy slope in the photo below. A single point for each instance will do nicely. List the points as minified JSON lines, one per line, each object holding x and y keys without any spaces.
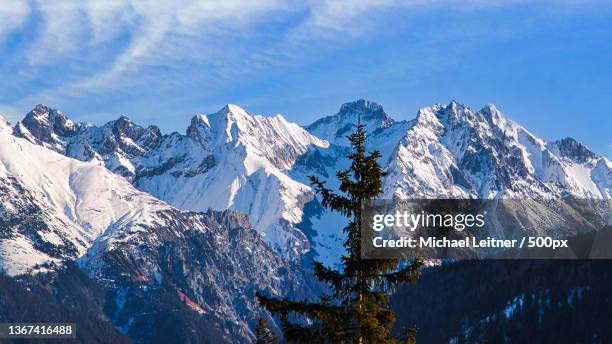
{"x":249,"y":158}
{"x":68,"y":202}
{"x":229,"y":159}
{"x":55,"y":208}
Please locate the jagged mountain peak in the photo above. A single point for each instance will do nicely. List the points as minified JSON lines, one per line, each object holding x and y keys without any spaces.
{"x":199,"y":118}
{"x":453,"y":151}
{"x":229,"y":113}
{"x":234,"y":124}
{"x":146,"y":138}
{"x":42,"y":110}
{"x":123,"y":123}
{"x":44,"y":113}
{"x":334,"y":128}
{"x":445,"y":113}
{"x":242,"y":159}
{"x":45,"y":124}
{"x":114,"y":143}
{"x":492,"y":110}
{"x":219,"y":122}
{"x":487,"y":120}
{"x":234,"y":109}
{"x":234,"y":114}
{"x":368,"y":110}
{"x":457,"y":106}
{"x":50,"y":125}
{"x":571,"y":149}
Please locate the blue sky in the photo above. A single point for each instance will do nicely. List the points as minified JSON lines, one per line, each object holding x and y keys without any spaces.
{"x":546,"y":65}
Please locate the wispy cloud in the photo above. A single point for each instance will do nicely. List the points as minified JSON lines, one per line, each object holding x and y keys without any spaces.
{"x":111,"y":46}
{"x":12,"y":16}
{"x":151,"y":29}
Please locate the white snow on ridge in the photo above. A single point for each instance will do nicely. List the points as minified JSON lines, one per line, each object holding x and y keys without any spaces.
{"x":78,"y":200}
{"x":250,"y":154}
{"x":453,"y":151}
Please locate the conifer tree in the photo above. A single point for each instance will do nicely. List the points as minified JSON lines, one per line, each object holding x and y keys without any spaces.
{"x":357,"y":308}
{"x":263,"y":335}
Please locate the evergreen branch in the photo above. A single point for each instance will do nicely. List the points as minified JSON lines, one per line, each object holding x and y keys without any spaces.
{"x":285,"y":306}
{"x":329,"y":275}
{"x":409,"y":273}
{"x":331,"y":200}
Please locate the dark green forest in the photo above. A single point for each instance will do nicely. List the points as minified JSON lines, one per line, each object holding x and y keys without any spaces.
{"x":510,"y":301}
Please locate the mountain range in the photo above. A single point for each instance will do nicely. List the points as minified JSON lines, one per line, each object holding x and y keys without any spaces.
{"x":224,"y":210}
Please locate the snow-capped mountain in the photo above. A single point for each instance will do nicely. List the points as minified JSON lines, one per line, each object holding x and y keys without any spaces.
{"x":453,"y":151}
{"x":114,"y":143}
{"x":55,"y":208}
{"x":248,"y":157}
{"x":229,"y":159}
{"x":260,"y":165}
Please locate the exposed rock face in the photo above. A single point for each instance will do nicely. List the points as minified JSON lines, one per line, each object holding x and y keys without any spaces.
{"x":337,"y":127}
{"x":46,"y":125}
{"x":213,"y":262}
{"x":572,"y":150}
